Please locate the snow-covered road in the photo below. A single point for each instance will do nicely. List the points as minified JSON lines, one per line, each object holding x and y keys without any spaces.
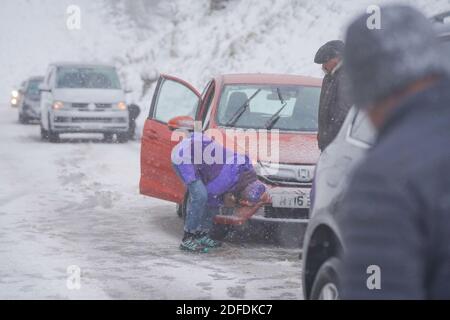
{"x":77,"y":203}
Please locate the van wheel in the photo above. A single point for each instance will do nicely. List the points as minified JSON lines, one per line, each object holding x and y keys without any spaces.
{"x":108,"y":137}
{"x":122,"y":137}
{"x":326,"y":284}
{"x":52,"y":136}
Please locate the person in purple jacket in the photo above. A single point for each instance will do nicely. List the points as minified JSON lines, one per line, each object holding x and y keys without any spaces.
{"x":210,"y":171}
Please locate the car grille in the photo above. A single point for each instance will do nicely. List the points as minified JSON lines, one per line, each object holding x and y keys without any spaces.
{"x":85,"y":106}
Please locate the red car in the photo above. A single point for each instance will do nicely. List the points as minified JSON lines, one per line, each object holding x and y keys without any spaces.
{"x":285,"y":106}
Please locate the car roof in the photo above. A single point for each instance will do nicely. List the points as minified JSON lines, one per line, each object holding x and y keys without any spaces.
{"x":80,"y":64}
{"x":266,"y":78}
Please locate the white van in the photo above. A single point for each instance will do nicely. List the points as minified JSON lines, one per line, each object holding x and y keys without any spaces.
{"x":82,"y":98}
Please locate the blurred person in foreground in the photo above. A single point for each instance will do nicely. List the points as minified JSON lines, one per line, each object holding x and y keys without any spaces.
{"x":396,"y":212}
{"x":334,"y":99}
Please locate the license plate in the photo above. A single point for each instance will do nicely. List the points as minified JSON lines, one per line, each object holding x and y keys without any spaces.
{"x":290,"y":200}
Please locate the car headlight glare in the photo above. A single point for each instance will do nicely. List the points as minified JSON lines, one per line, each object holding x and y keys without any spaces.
{"x":58,"y":105}
{"x":122,"y":106}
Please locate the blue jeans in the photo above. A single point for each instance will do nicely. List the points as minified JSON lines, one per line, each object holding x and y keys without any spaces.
{"x":199,"y":217}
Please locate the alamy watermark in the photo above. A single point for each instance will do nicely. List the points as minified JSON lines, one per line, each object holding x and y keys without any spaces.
{"x":73,"y":281}
{"x":256,"y":144}
{"x":374,"y":20}
{"x":374,"y":280}
{"x":73,"y":21}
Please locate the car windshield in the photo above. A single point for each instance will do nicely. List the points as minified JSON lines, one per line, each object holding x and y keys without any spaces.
{"x":33,"y":88}
{"x":299,"y":114}
{"x":87,"y":77}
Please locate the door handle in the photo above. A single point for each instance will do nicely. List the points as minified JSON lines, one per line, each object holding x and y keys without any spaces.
{"x":151,"y":134}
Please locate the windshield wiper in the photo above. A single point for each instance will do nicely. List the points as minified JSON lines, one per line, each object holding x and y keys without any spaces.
{"x":276,"y":116}
{"x":239,"y":112}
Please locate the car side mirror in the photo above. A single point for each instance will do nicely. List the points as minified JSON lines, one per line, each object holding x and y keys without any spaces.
{"x":181,"y":123}
{"x":44,"y":88}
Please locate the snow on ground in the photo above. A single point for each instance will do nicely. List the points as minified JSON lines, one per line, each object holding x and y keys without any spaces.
{"x":77,"y":203}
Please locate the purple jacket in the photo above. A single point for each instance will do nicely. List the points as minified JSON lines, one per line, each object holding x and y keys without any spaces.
{"x":200,"y":157}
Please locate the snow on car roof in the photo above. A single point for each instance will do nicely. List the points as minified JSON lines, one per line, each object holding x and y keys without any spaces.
{"x":266,"y":78}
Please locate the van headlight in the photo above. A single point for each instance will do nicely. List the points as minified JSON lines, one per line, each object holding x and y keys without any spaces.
{"x":121,"y":106}
{"x":58,"y":105}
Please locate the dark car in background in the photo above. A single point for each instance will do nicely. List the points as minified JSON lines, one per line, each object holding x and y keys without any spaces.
{"x":322,"y":242}
{"x":30,"y":100}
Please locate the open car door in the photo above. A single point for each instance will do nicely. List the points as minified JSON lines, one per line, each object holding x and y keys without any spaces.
{"x":173,"y":97}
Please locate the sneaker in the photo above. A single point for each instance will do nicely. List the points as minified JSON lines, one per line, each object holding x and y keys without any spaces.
{"x":193,"y":245}
{"x":208,"y":242}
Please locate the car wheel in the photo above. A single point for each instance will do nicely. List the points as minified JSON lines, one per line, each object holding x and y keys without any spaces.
{"x":181,"y":208}
{"x":220,"y":231}
{"x":122,"y":137}
{"x":108,"y":137}
{"x":326,"y":283}
{"x":22,"y":119}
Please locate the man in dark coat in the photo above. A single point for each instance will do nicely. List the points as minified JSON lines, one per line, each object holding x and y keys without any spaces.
{"x":334,"y":100}
{"x":395,"y":216}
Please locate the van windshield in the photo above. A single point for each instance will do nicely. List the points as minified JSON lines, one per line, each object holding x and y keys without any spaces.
{"x":87,"y":77}
{"x":33,"y":88}
{"x":299,"y":114}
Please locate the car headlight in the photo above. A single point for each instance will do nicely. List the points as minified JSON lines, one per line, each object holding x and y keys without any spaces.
{"x":58,"y":105}
{"x":121,"y":106}
{"x":14,"y":101}
{"x":15,"y":94}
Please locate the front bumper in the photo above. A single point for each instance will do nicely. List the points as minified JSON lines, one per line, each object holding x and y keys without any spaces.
{"x":268,"y":213}
{"x":89,"y":122}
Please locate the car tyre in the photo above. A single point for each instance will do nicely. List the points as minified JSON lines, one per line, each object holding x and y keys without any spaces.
{"x":53,"y":137}
{"x":108,"y":137}
{"x":326,"y":284}
{"x":122,"y":137}
{"x":23,"y":119}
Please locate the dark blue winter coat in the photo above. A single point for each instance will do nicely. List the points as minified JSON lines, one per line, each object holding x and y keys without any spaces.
{"x":396,"y":212}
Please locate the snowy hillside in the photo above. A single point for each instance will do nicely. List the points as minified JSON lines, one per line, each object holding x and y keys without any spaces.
{"x":191,"y":39}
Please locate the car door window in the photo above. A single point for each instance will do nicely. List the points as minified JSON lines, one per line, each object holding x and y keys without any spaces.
{"x":174,"y":99}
